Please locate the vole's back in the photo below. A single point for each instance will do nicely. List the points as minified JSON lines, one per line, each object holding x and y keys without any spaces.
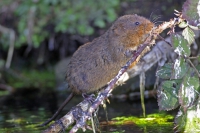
{"x":94,"y":64}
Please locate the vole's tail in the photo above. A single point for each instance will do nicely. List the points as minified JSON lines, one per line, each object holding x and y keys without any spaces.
{"x":59,"y":109}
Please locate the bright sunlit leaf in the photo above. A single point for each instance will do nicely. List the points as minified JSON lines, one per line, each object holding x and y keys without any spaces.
{"x":188,"y":34}
{"x":183,"y":24}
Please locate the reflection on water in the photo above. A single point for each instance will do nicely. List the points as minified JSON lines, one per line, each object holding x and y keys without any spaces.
{"x":21,"y":120}
{"x":22,"y":111}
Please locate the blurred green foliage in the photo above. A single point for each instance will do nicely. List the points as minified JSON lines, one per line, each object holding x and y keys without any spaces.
{"x":29,"y":79}
{"x":38,"y":19}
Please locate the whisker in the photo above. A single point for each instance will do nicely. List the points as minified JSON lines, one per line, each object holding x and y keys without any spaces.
{"x":158,"y":22}
{"x":156,"y":18}
{"x":152,"y":13}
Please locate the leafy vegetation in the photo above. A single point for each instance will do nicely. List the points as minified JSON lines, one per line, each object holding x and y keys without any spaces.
{"x":180,"y":86}
{"x":38,"y":19}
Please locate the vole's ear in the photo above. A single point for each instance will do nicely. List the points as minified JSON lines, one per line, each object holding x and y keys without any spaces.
{"x":118,"y":29}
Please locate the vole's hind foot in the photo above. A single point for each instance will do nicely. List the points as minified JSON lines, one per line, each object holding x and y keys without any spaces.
{"x":88,"y":97}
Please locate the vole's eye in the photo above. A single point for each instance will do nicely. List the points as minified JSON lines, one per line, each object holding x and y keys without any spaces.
{"x":137,"y":23}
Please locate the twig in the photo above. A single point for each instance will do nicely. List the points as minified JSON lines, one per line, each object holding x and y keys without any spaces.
{"x":93,"y":125}
{"x":193,"y":57}
{"x":30,"y":26}
{"x":165,"y":40}
{"x":142,"y":89}
{"x":11,"y":33}
{"x":197,"y":72}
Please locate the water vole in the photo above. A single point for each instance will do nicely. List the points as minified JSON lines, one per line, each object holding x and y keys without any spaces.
{"x":95,"y":63}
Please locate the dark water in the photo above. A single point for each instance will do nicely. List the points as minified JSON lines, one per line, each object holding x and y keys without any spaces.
{"x":20,"y":112}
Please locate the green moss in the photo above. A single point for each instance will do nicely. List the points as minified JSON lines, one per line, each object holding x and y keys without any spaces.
{"x":150,"y":122}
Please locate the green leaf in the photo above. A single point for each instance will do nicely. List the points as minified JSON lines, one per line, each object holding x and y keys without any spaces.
{"x":189,"y":90}
{"x":168,"y":95}
{"x":190,"y":12}
{"x":111,"y":15}
{"x":180,"y":120}
{"x":85,"y":29}
{"x":180,"y":68}
{"x":61,"y":27}
{"x":100,"y":23}
{"x":165,"y":71}
{"x":114,"y":2}
{"x":180,"y":45}
{"x":189,"y":35}
{"x":89,"y":31}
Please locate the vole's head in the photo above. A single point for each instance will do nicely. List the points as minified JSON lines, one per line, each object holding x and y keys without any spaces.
{"x":132,"y":30}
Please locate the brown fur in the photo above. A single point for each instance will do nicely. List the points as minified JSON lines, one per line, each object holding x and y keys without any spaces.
{"x":95,"y":63}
